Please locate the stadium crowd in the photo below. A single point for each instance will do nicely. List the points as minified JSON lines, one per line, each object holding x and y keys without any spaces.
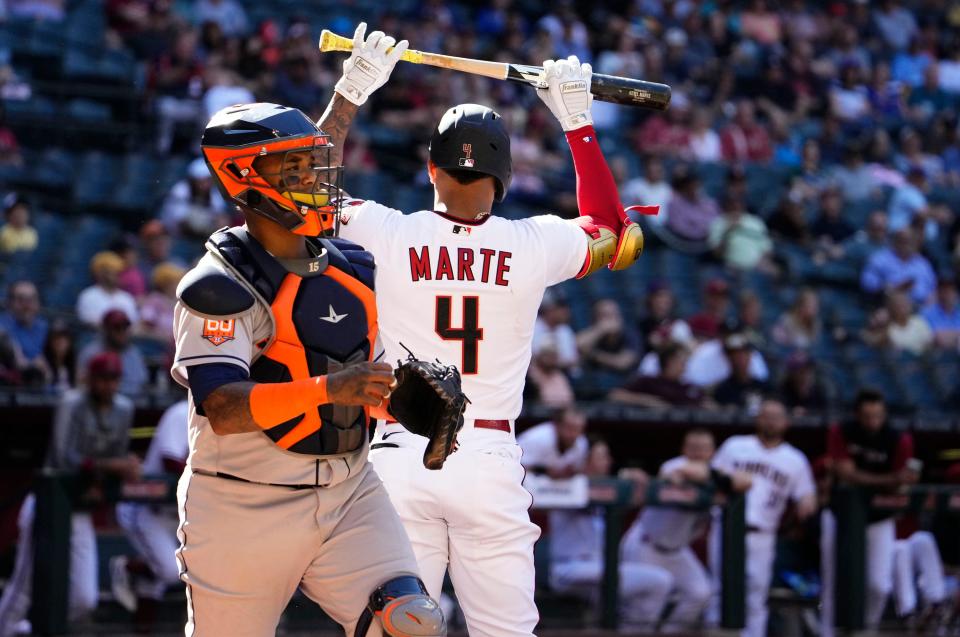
{"x":808,"y":173}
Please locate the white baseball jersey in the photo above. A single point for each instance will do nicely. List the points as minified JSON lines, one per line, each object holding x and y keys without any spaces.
{"x":169,"y":440}
{"x":466,"y":292}
{"x":779,"y":474}
{"x":669,"y":527}
{"x":539,"y":444}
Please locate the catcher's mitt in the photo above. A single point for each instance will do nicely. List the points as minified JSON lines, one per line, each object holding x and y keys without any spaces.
{"x":428,"y":401}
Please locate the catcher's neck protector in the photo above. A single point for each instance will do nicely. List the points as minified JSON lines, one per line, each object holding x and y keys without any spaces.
{"x":274,"y":161}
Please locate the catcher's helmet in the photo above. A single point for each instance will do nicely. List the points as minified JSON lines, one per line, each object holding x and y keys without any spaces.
{"x":273,"y":160}
{"x":473,"y":138}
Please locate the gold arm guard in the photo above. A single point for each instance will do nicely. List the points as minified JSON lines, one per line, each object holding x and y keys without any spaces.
{"x":629,"y":248}
{"x":600,"y":251}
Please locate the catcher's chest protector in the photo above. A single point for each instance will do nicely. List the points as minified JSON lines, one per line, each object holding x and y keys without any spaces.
{"x":324,"y":313}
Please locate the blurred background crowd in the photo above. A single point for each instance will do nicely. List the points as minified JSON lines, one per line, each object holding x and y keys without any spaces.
{"x":808,"y":173}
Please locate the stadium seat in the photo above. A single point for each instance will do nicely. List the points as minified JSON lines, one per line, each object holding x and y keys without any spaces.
{"x":87,"y":110}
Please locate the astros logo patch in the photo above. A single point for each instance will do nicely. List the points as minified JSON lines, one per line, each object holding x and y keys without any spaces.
{"x":218,"y":332}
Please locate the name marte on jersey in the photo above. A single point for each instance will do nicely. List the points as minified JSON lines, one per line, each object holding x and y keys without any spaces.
{"x":459,"y":264}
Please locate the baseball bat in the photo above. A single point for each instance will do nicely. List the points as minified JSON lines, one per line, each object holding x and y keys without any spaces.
{"x":607,"y":88}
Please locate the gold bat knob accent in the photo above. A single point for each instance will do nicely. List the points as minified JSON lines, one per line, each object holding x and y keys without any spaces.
{"x":330,"y":41}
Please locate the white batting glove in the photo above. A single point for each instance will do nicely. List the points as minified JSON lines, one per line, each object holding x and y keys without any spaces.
{"x":567,"y":91}
{"x":369,"y":65}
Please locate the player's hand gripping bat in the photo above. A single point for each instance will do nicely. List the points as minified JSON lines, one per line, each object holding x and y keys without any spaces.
{"x":607,"y":88}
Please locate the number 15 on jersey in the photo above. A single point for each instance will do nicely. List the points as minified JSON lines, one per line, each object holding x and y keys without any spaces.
{"x":469,"y":334}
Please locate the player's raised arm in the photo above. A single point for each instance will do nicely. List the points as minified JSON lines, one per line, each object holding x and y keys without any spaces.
{"x":567,"y":95}
{"x":368,"y":68}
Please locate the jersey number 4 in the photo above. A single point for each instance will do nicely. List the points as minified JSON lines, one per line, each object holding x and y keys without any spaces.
{"x":469,"y":334}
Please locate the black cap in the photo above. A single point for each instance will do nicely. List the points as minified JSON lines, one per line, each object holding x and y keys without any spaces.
{"x":473,"y":138}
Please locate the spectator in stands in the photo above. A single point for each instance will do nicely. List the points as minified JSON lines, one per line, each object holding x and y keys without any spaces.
{"x":704,"y":141}
{"x":155,"y":248}
{"x":913,"y":154}
{"x":929,"y":99}
{"x":800,"y":327}
{"x":943,"y":315}
{"x":830,"y":229}
{"x":193,"y":207}
{"x":576,"y":557}
{"x":9,"y":146}
{"x":739,"y":239}
{"x":52,"y":10}
{"x":558,"y":447}
{"x":789,"y":223}
{"x":715,"y":310}
{"x":886,"y":96}
{"x":294,"y":86}
{"x":90,"y":439}
{"x":744,"y":139}
{"x":850,"y":99}
{"x":9,"y":370}
{"x":853,"y":177}
{"x":909,"y":207}
{"x":750,"y":319}
{"x":690,"y":211}
{"x":26,"y":327}
{"x":131,"y":278}
{"x":909,"y":66}
{"x":224,"y":88}
{"x":867,"y":452}
{"x":873,"y":237}
{"x":896,"y":326}
{"x":553,"y":327}
{"x":156,"y":309}
{"x":739,"y":389}
{"x":665,"y":389}
{"x":801,"y":390}
{"x":115,"y":338}
{"x":60,"y":357}
{"x":17,"y":235}
{"x":652,"y":188}
{"x":105,"y":295}
{"x":548,"y":383}
{"x":666,"y":135}
{"x":177,"y":76}
{"x":608,"y":344}
{"x":900,"y":267}
{"x":229,"y":14}
{"x":895,"y":24}
{"x":658,"y":323}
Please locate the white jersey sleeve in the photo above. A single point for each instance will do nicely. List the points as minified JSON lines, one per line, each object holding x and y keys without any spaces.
{"x":564,"y":247}
{"x":723,"y":460}
{"x":169,"y":440}
{"x":803,"y":483}
{"x":200,"y":341}
{"x":368,"y":224}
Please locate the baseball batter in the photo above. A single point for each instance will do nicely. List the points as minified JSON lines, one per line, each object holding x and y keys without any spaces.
{"x":661,"y":536}
{"x":463,"y":286}
{"x":152,"y":528}
{"x":276,"y":332}
{"x":780,"y":474}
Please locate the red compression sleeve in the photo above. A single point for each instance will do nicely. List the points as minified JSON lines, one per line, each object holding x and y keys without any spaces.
{"x":274,"y":403}
{"x":596,"y":190}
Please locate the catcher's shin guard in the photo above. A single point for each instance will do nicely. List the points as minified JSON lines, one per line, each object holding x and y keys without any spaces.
{"x":405,"y":609}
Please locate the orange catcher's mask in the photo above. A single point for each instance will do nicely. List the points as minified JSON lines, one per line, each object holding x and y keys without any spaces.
{"x":275,"y":161}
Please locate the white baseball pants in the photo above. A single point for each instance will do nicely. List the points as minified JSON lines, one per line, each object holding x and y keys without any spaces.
{"x":84,"y":581}
{"x":761,"y":551}
{"x":917,"y":564}
{"x":691,"y":585}
{"x":153,"y":533}
{"x":881,"y":537}
{"x":470,"y":517}
{"x":644,"y":588}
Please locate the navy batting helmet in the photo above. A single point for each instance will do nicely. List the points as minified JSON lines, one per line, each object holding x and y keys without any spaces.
{"x":473,"y":138}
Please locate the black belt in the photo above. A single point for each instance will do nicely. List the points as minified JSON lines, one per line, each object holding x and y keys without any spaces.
{"x":755,"y":529}
{"x":296,"y":487}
